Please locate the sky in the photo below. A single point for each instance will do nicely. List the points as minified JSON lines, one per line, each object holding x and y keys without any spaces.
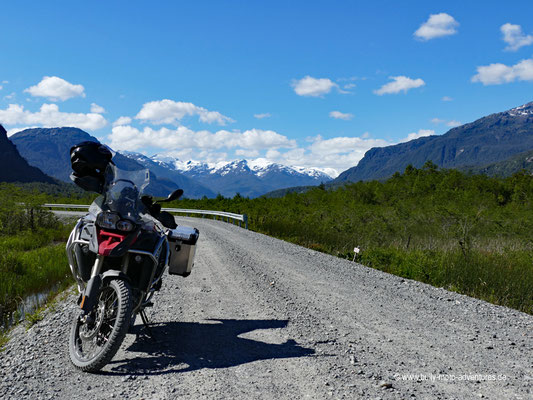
{"x":305,"y":83}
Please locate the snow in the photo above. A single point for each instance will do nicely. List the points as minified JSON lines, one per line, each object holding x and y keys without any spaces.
{"x":521,"y":111}
{"x":259,"y":166}
{"x":259,"y":163}
{"x":161,"y":158}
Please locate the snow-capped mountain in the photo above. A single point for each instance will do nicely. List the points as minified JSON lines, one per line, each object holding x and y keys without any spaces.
{"x":488,"y":140}
{"x":249,"y":178}
{"x":521,"y":111}
{"x":165,"y":170}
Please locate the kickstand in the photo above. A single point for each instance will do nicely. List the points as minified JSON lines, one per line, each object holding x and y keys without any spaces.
{"x":147,"y":325}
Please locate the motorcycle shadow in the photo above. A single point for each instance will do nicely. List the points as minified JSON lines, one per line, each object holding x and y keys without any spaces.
{"x":188,"y":346}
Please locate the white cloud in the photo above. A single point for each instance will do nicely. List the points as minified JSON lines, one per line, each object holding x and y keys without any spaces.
{"x":261,"y":116}
{"x":514,"y":37}
{"x":331,"y":155}
{"x":247,"y":153}
{"x":496,"y":74}
{"x":313,"y":87}
{"x":453,"y":123}
{"x":339,"y":153}
{"x":447,"y":98}
{"x":95,"y":108}
{"x":273,"y":154}
{"x":437,"y":25}
{"x":50,"y":116}
{"x":10,"y":96}
{"x":419,"y":134}
{"x":5,"y":82}
{"x":55,"y":89}
{"x":341,"y":145}
{"x":122,"y":121}
{"x":340,"y":115}
{"x":349,"y":86}
{"x":399,"y":84}
{"x":1,"y":87}
{"x":125,"y":137}
{"x":171,"y":112}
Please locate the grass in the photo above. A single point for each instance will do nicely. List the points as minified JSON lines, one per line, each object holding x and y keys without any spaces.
{"x":29,"y":272}
{"x":32,"y":262}
{"x":30,"y":240}
{"x":33,"y":318}
{"x":32,"y":252}
{"x":4,"y":338}
{"x":500,"y":276}
{"x":504,"y":279}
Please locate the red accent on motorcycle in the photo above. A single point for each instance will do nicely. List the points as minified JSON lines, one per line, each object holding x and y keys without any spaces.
{"x":107,"y":241}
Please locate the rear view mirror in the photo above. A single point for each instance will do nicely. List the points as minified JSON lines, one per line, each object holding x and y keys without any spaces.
{"x":176,"y":194}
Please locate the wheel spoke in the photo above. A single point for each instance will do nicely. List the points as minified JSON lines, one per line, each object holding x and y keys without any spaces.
{"x":91,"y":344}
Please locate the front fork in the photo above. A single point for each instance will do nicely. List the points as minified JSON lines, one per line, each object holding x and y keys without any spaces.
{"x":89,"y":296}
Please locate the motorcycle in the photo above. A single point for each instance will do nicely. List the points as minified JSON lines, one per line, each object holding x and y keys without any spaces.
{"x":118,"y":254}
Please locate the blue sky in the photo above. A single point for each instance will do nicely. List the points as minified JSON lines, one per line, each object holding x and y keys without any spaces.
{"x":308,"y":83}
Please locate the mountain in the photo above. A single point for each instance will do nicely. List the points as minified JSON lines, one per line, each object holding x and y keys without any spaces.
{"x":487,"y":140}
{"x":191,"y":188}
{"x":248,"y":178}
{"x":13,"y":167}
{"x":49,"y":150}
{"x":508,"y":167}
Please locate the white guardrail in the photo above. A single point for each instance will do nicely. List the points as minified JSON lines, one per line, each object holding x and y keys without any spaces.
{"x":240,"y":218}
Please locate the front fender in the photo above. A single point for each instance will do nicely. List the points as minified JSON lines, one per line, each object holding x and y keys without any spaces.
{"x":89,"y":297}
{"x":114,"y":274}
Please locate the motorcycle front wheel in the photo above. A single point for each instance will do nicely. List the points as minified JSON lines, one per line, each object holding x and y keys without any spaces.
{"x":96,"y":337}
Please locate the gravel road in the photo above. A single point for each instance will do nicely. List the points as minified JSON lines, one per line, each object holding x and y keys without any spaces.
{"x":262,"y":318}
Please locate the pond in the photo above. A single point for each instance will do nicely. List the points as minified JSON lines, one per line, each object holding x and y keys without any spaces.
{"x":26,"y":306}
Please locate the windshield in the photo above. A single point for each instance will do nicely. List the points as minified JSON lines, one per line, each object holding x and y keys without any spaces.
{"x":123,"y":191}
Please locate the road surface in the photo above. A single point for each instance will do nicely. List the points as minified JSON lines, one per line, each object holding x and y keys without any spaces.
{"x":262,"y":318}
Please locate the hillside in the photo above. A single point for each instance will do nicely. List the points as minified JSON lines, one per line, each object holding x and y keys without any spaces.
{"x":508,"y":167}
{"x":13,"y":167}
{"x":49,"y":148}
{"x":487,"y":140}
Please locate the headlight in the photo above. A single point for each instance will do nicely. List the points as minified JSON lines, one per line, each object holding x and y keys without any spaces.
{"x":110,"y":220}
{"x":107,"y":220}
{"x":124,"y":225}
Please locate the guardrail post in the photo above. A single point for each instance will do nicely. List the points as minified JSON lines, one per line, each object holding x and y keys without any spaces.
{"x":245,"y":219}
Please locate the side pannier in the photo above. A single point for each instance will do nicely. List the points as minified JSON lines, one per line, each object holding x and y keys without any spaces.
{"x":182,"y":242}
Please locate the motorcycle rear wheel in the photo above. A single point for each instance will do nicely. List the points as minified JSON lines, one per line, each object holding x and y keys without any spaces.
{"x":95,"y":338}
